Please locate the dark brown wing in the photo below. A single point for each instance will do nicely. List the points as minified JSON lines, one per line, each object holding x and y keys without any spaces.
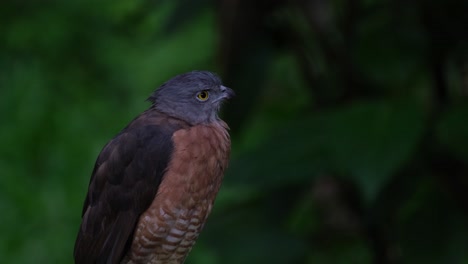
{"x":124,"y":182}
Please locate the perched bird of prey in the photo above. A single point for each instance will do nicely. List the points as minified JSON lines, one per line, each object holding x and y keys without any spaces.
{"x":154,"y":184}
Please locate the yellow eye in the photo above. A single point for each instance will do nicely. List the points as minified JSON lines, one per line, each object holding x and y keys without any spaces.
{"x":202,"y":96}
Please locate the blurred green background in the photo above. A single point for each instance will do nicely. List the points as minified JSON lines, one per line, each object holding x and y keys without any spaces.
{"x":349,"y":129}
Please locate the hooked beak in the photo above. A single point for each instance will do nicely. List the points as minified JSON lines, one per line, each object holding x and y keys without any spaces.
{"x":228,"y":93}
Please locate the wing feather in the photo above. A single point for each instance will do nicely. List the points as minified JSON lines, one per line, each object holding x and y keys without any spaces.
{"x":123,"y":184}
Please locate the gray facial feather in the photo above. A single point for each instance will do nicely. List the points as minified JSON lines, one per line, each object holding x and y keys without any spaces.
{"x":178,"y":97}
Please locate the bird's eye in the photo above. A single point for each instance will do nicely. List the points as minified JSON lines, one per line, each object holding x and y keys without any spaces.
{"x":202,"y":96}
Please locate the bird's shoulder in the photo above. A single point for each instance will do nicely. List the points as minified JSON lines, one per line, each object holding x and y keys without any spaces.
{"x":140,"y":152}
{"x":151,"y":129}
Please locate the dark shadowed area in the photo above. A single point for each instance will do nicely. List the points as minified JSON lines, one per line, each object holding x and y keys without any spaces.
{"x":349,"y":129}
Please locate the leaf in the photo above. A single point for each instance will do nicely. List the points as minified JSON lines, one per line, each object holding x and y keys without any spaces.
{"x":370,"y":141}
{"x":366,"y":141}
{"x":185,"y":12}
{"x":431,"y":228}
{"x":251,"y":235}
{"x":352,"y":251}
{"x":452,"y":130}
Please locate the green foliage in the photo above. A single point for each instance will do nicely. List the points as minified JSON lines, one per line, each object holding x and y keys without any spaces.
{"x":452,"y":132}
{"x":350,"y":140}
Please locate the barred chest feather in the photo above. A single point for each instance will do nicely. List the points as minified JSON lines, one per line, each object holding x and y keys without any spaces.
{"x":166,"y":232}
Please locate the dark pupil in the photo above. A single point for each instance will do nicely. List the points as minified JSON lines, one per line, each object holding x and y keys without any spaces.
{"x":203,"y":95}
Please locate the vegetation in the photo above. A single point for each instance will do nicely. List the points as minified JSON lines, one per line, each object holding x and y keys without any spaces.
{"x":350,"y":131}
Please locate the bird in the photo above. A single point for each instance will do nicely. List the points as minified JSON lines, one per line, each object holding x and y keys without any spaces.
{"x":154,"y":184}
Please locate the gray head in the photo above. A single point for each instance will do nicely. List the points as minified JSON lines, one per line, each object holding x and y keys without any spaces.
{"x":194,"y":97}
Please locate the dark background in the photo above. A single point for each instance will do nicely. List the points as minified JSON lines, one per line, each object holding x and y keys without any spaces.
{"x":349,"y":129}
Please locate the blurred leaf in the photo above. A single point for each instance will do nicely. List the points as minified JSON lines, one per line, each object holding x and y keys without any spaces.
{"x":185,"y":11}
{"x":138,"y":65}
{"x":432,"y":229}
{"x":352,"y":251}
{"x":257,"y":242}
{"x":452,"y":132}
{"x":399,"y":49}
{"x":367,"y":141}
